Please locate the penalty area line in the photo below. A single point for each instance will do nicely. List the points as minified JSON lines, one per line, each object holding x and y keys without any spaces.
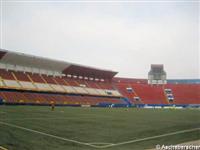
{"x":95,"y":143}
{"x":100,"y":145}
{"x":150,"y":138}
{"x":49,"y":135}
{"x":37,"y":118}
{"x":3,"y":148}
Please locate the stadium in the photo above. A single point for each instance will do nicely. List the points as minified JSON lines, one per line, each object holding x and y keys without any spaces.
{"x":47,"y":104}
{"x":99,"y":75}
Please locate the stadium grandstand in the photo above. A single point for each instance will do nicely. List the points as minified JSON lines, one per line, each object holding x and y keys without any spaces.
{"x":26,"y":79}
{"x":104,"y":111}
{"x":99,"y":75}
{"x":31,"y":80}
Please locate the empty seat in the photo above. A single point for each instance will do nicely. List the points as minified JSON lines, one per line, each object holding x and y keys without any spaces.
{"x":6,"y":74}
{"x":21,"y":76}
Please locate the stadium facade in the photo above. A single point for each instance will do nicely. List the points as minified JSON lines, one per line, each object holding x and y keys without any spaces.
{"x":31,"y":80}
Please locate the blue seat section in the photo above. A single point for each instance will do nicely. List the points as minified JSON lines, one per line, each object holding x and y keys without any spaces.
{"x":185,"y":81}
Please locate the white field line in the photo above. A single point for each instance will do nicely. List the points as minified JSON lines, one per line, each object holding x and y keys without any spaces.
{"x":3,"y":148}
{"x":100,"y":143}
{"x":93,"y":144}
{"x":150,"y":138}
{"x":49,"y":135}
{"x":36,"y":118}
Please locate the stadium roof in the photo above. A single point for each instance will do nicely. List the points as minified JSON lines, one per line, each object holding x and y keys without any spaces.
{"x":22,"y":59}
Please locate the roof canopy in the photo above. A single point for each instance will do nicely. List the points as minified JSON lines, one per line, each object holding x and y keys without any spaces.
{"x":22,"y":59}
{"x":89,"y":72}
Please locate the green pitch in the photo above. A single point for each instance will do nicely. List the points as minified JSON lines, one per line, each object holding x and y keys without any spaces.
{"x":70,"y":128}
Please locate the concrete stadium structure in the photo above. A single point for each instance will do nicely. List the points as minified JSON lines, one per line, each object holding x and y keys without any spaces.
{"x":31,"y":80}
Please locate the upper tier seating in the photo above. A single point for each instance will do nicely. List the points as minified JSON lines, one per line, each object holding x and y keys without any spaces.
{"x":37,"y":82}
{"x":60,"y":81}
{"x":6,"y":75}
{"x":36,"y":78}
{"x":71,"y":82}
{"x":21,"y":76}
{"x":49,"y":79}
{"x":92,"y":84}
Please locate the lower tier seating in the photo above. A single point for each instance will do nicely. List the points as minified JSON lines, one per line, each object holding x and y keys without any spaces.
{"x":46,"y":98}
{"x":185,"y":93}
{"x":130,"y":94}
{"x":148,"y":94}
{"x":155,"y":94}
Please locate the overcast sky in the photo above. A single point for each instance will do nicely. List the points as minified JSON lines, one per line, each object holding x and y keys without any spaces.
{"x":122,"y":36}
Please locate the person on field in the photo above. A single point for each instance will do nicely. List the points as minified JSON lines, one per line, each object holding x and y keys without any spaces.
{"x":52,"y":106}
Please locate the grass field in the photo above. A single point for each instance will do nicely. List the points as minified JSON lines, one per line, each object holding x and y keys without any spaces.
{"x":39,"y":128}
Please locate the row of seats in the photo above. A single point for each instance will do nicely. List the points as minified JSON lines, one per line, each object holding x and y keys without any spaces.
{"x":39,"y":98}
{"x":28,"y":81}
{"x":155,"y":94}
{"x":148,"y":94}
{"x":6,"y":74}
{"x":185,"y":93}
{"x":13,"y":75}
{"x":151,"y":94}
{"x":130,"y":94}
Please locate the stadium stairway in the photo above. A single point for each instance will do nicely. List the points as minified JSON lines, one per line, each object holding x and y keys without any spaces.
{"x":122,"y":87}
{"x":185,"y":93}
{"x":126,"y":100}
